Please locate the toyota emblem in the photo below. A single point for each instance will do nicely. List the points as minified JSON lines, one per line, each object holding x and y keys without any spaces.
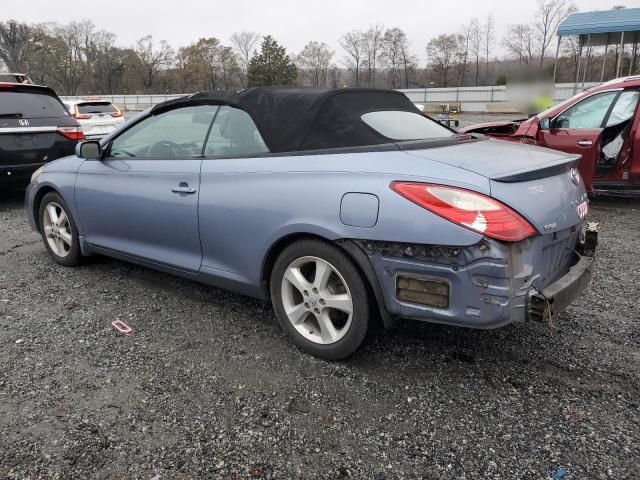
{"x":575,"y":176}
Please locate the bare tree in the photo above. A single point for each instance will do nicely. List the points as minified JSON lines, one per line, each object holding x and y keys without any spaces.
{"x":409,"y":62}
{"x":210,"y":55}
{"x":394,"y":43}
{"x":489,"y":37}
{"x":69,"y":65}
{"x":105,"y":59}
{"x":475,"y":45}
{"x":152,"y":59}
{"x":228,"y":66}
{"x":463,"y":52}
{"x":571,"y":50}
{"x":314,"y":61}
{"x":353,"y":44}
{"x":549,"y":15}
{"x":245,"y":44}
{"x":372,"y":50}
{"x":442,"y":52}
{"x":519,"y":43}
{"x":14,"y":44}
{"x":334,"y":76}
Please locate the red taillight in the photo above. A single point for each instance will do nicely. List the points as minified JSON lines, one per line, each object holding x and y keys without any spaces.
{"x":117,"y":113}
{"x":469,"y":209}
{"x":72,"y":133}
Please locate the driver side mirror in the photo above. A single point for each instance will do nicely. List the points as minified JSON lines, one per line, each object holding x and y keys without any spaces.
{"x":544,"y":123}
{"x":89,"y":150}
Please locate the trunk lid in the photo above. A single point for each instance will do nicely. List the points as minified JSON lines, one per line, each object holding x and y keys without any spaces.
{"x":500,"y":160}
{"x":536,"y":182}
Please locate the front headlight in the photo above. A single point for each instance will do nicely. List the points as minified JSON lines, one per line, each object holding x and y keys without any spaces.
{"x":36,"y":174}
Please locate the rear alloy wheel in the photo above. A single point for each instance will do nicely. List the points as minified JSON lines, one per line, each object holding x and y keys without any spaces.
{"x":320,"y":299}
{"x":58,"y":230}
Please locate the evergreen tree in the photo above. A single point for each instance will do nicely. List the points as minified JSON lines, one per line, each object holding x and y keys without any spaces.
{"x":271,"y":66}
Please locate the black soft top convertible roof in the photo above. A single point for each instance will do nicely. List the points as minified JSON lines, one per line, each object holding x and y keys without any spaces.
{"x":300,"y":118}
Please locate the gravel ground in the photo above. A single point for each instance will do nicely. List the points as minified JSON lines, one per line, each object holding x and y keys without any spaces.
{"x":208,"y":387}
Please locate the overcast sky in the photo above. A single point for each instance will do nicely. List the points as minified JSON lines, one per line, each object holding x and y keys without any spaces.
{"x":292,"y":22}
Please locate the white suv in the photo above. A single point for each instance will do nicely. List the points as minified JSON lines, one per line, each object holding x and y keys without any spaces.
{"x":96,"y":117}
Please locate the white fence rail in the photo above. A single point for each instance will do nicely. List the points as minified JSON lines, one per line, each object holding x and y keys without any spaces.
{"x":481,"y":99}
{"x":471,"y":99}
{"x":129,"y":102}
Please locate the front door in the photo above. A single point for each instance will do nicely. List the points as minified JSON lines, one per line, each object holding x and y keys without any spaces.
{"x":578,"y":130}
{"x":142,"y":198}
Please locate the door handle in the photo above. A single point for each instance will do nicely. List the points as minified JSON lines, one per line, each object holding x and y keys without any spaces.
{"x":183,"y":189}
{"x":585,"y":143}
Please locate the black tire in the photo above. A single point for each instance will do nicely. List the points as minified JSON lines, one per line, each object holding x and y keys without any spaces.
{"x":73,"y":257}
{"x":355,"y":283}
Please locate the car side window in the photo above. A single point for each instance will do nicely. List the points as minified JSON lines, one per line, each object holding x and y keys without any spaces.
{"x":234,"y":134}
{"x":624,"y":108}
{"x":178,"y":133}
{"x":587,"y":114}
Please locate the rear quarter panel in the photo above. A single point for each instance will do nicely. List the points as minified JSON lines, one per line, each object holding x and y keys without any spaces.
{"x":247,"y":205}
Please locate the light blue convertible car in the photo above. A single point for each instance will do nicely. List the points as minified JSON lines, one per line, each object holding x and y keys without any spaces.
{"x":334,"y":204}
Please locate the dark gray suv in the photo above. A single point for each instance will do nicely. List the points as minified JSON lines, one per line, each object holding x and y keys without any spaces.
{"x":35,"y":128}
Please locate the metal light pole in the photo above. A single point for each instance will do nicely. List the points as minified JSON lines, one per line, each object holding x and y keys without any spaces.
{"x":620,"y":55}
{"x":575,"y":85}
{"x":586,"y":67}
{"x":604,"y":60}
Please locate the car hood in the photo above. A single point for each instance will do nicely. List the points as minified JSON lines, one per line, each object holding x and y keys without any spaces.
{"x":64,"y":164}
{"x":500,"y":160}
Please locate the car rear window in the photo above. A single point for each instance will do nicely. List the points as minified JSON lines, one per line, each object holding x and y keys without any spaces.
{"x":96,"y":107}
{"x":402,"y":125}
{"x":30,"y":105}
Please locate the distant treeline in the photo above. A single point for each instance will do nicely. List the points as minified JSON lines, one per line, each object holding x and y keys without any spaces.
{"x":76,"y":58}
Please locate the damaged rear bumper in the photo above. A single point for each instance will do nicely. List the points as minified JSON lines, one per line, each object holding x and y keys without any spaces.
{"x":554,"y":298}
{"x":486,"y":285}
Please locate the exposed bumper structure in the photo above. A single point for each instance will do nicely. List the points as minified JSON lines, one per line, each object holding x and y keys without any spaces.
{"x":486,"y":285}
{"x":560,"y":294}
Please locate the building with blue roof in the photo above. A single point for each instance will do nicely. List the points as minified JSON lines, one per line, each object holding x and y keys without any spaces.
{"x":607,"y":28}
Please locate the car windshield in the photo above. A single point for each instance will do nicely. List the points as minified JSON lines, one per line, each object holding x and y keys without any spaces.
{"x":96,"y":107}
{"x":403,"y":125}
{"x":30,"y":105}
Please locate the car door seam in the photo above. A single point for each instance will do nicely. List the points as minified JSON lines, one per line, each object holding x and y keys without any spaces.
{"x":198,"y":210}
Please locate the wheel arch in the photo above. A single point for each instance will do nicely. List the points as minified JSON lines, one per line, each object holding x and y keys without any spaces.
{"x":349,"y":247}
{"x":37,"y":200}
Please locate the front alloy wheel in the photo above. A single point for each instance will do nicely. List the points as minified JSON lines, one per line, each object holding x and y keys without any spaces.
{"x":320,"y":299}
{"x":58,"y":230}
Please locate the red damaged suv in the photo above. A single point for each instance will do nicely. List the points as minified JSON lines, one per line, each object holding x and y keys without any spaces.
{"x":602,"y":124}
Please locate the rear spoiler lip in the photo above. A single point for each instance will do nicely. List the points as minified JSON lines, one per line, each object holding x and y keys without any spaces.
{"x":555,"y":167}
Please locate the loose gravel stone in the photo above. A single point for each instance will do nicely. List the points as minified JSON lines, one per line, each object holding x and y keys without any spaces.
{"x":208,"y":387}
